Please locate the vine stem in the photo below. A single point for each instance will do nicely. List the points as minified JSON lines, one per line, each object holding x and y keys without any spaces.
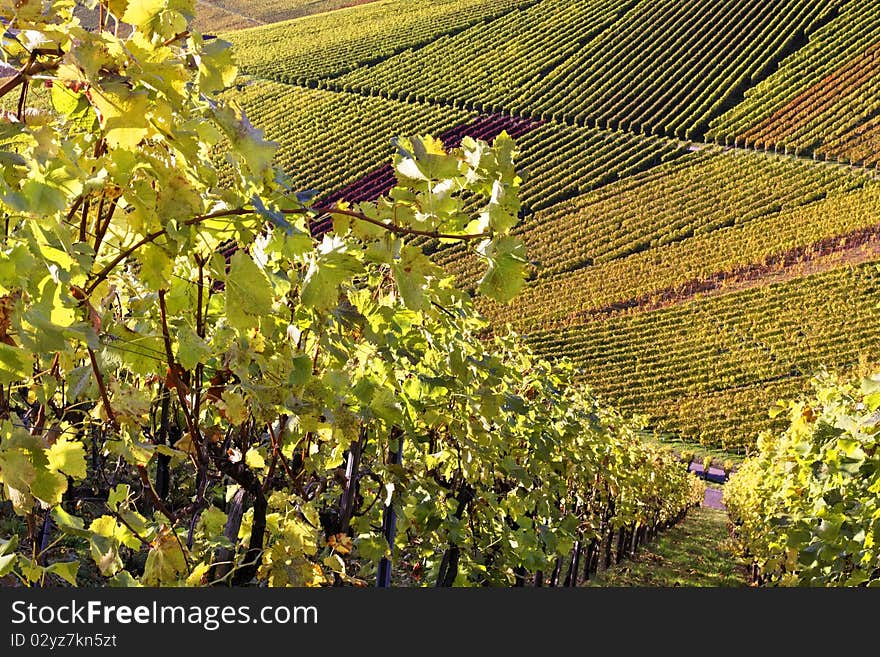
{"x":33,"y":67}
{"x":111,"y":415}
{"x":102,"y":389}
{"x":239,"y":212}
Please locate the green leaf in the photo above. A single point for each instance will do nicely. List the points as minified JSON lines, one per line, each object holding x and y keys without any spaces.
{"x":124,"y":114}
{"x":7,"y":562}
{"x":15,"y":364}
{"x":505,"y":275}
{"x":234,"y":407}
{"x":165,"y":561}
{"x":68,"y":456}
{"x":65,"y":569}
{"x":156,"y":266}
{"x":69,"y":524}
{"x":335,"y":563}
{"x":426,"y":159}
{"x":64,"y":100}
{"x":16,"y":469}
{"x":248,"y":293}
{"x":254,"y":459}
{"x":42,"y":197}
{"x":217,"y":70}
{"x":105,"y":553}
{"x":386,"y":406}
{"x":7,"y":546}
{"x":329,"y":269}
{"x":7,"y":555}
{"x":212,"y":521}
{"x":191,"y":349}
{"x":143,"y":12}
{"x":49,"y":487}
{"x":301,"y":370}
{"x":123,"y":579}
{"x":119,"y":494}
{"x":411,"y":274}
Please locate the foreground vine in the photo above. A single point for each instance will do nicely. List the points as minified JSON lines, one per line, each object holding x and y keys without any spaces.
{"x":196,"y":390}
{"x":806,"y":506}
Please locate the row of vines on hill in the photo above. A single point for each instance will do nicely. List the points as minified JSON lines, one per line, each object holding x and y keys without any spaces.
{"x":663,"y":69}
{"x":698,"y":215}
{"x":331,"y":44}
{"x":821,"y":100}
{"x":194,"y":389}
{"x":709,"y":369}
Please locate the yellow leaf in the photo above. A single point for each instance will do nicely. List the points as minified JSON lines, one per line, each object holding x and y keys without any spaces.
{"x":254,"y":459}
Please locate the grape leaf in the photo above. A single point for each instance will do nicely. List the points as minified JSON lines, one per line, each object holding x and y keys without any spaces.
{"x":68,"y":456}
{"x":65,"y":569}
{"x":505,"y":275}
{"x":331,"y":266}
{"x":248,"y":293}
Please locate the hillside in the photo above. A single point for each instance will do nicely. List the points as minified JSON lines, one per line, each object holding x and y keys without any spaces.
{"x":701,"y":202}
{"x":212,"y":16}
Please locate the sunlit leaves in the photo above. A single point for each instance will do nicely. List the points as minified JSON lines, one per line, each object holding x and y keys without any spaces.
{"x":505,"y":275}
{"x":67,"y":455}
{"x":162,"y":314}
{"x":329,"y":268}
{"x":806,"y":504}
{"x":166,"y":560}
{"x":248,"y":293}
{"x":123,"y":113}
{"x":216,"y":68}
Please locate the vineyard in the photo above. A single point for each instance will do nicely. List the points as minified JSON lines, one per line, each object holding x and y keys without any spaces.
{"x":821,"y":100}
{"x":623,"y":213}
{"x":220,"y":15}
{"x":806,"y":504}
{"x":305,"y":51}
{"x":710,"y":369}
{"x":420,"y":294}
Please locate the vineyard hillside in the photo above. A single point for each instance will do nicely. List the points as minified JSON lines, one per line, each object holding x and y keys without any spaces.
{"x":701,"y":202}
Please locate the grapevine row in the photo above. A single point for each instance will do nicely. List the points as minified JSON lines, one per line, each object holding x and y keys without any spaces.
{"x":539,"y":38}
{"x":820,"y":97}
{"x":219,"y":15}
{"x":316,"y":131}
{"x":778,"y":240}
{"x":670,"y":67}
{"x":602,"y":245}
{"x":331,"y":44}
{"x":805,"y":507}
{"x":771,"y":335}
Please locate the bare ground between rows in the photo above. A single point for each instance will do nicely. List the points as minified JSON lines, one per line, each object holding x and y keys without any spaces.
{"x":847,"y":250}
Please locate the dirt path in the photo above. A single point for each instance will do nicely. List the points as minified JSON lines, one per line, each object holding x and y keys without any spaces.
{"x":697,"y":552}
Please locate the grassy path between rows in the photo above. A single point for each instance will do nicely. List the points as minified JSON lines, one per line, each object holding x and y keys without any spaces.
{"x":696,"y":552}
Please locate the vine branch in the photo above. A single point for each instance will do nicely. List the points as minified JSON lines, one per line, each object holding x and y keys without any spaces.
{"x":240,"y":212}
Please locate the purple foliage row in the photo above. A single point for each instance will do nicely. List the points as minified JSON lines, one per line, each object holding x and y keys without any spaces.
{"x":379,"y":181}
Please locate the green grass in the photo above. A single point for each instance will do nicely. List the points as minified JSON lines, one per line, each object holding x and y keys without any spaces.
{"x":696,"y":552}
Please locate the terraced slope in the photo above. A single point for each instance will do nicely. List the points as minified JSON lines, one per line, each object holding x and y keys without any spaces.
{"x":329,"y":140}
{"x":710,"y":369}
{"x":823,"y":99}
{"x":540,"y":38}
{"x":331,"y":44}
{"x":648,"y":237}
{"x":693,"y":282}
{"x":221,"y":15}
{"x":669,"y":67}
{"x":664,"y":67}
{"x":307,"y":121}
